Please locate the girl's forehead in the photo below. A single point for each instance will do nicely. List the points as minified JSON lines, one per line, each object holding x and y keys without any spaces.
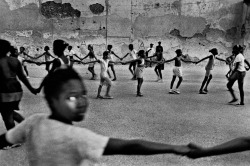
{"x":73,"y":85}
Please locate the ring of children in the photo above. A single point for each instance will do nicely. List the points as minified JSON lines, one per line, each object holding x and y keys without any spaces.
{"x":206,"y":119}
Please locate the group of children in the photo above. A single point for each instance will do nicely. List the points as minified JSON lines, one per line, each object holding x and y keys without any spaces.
{"x":54,"y":140}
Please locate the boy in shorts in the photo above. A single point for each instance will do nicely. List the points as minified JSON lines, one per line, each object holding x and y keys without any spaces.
{"x":54,"y":140}
{"x":177,"y":70}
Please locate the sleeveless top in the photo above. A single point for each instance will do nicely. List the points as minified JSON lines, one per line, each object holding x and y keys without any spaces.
{"x":210,"y":63}
{"x":142,"y":63}
{"x":63,"y":64}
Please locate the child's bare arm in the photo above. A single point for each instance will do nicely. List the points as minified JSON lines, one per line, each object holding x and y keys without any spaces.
{"x":248,"y":64}
{"x":166,"y":61}
{"x":203,"y":59}
{"x":141,"y":147}
{"x":116,"y":55}
{"x":125,"y":56}
{"x":23,"y":78}
{"x":223,"y":60}
{"x":233,"y":146}
{"x":135,"y":60}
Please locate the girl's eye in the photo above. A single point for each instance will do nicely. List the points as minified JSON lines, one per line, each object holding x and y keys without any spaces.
{"x":72,"y":98}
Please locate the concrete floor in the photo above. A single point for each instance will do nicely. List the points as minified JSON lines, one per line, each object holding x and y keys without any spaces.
{"x":158,"y":116}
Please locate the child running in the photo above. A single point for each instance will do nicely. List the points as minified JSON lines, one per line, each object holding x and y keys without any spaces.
{"x":11,"y":92}
{"x":54,"y":140}
{"x":177,"y":71}
{"x":104,"y":79}
{"x":141,"y":63}
{"x":92,"y":58}
{"x":111,"y":65}
{"x":133,"y":55}
{"x":209,"y":67}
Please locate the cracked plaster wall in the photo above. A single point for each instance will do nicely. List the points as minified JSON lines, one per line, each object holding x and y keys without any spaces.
{"x":192,"y":25}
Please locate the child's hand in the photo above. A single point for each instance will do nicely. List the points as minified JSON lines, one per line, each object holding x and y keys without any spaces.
{"x":195,"y":151}
{"x":182,"y":150}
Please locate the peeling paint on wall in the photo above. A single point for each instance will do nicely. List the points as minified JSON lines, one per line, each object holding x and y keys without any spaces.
{"x":192,"y":25}
{"x":51,"y":9}
{"x":96,"y":8}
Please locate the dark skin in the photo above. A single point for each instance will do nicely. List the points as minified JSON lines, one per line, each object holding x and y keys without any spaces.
{"x":236,"y":145}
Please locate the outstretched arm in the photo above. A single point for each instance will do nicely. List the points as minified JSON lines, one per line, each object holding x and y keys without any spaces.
{"x":39,"y":56}
{"x":30,"y":61}
{"x":125,"y":56}
{"x":91,"y":62}
{"x":152,"y":56}
{"x":166,"y":61}
{"x":23,"y":78}
{"x":77,"y":56}
{"x":203,"y":59}
{"x":141,"y":147}
{"x":28,"y":55}
{"x":135,"y":60}
{"x":236,"y":145}
{"x":223,"y":60}
{"x":116,"y":55}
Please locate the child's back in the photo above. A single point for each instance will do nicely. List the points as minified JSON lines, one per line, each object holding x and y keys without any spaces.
{"x":8,"y":67}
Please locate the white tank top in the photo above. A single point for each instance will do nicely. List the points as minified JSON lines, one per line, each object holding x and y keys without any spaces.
{"x":63,"y":65}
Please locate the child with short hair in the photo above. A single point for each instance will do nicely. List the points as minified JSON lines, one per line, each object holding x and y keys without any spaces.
{"x":160,"y":66}
{"x":209,"y":67}
{"x":104,"y":79}
{"x":111,"y":65}
{"x":177,"y":70}
{"x":92,"y":57}
{"x":141,"y":64}
{"x":54,"y":140}
{"x":133,"y":55}
{"x":62,"y":61}
{"x":47,"y":56}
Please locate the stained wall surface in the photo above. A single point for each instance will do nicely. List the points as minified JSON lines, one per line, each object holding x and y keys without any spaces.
{"x":192,"y":25}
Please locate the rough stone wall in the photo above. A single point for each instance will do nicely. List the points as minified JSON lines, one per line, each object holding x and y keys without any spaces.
{"x":192,"y":25}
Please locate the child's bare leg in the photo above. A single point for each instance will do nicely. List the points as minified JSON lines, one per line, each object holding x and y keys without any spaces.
{"x":140,"y":81}
{"x":130,"y":69}
{"x":113,"y":70}
{"x":172,"y":82}
{"x":109,"y":73}
{"x":108,"y":90}
{"x":17,"y":117}
{"x":7,"y":116}
{"x":99,"y":91}
{"x":203,"y":83}
{"x":208,"y":81}
{"x":26,"y":70}
{"x":179,"y":82}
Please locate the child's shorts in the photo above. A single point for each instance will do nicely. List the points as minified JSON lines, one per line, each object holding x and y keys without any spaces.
{"x":105,"y":81}
{"x":208,"y":72}
{"x":177,"y":71}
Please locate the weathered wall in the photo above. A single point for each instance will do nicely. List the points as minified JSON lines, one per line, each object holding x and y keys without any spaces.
{"x":192,"y":25}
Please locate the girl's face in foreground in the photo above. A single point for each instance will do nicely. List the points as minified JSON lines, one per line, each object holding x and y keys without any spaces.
{"x":72,"y":102}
